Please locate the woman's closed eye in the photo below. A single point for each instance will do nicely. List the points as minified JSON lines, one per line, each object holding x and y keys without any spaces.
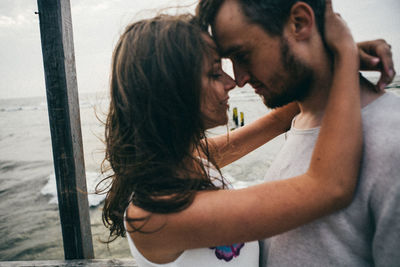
{"x":216,"y":73}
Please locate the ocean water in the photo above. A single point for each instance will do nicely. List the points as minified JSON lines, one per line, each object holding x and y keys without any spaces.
{"x":29,"y":220}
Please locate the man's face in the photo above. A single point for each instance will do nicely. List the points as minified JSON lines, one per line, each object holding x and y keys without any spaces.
{"x":266,"y":62}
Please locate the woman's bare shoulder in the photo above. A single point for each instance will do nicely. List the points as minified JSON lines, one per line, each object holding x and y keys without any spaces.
{"x":147,"y":230}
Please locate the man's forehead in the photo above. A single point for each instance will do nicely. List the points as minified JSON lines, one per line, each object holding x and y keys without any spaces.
{"x":228,"y":14}
{"x":228,"y":26}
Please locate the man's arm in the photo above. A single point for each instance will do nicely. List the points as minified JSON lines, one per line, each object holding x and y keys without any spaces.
{"x":377,"y":56}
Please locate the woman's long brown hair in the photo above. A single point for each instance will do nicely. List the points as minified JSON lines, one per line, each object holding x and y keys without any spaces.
{"x":154,"y":124}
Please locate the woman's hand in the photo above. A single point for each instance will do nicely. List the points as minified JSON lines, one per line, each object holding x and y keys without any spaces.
{"x":337,"y":35}
{"x":376,"y":55}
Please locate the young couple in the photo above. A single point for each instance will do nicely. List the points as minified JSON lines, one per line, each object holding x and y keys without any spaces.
{"x":167,"y":194}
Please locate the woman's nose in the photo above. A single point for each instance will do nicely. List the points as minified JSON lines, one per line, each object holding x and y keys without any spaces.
{"x":229,"y":83}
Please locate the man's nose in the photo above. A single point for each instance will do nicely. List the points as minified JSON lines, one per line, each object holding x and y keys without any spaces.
{"x":241,"y":75}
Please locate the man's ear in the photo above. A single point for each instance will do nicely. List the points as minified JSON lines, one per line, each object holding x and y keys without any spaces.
{"x":301,"y":21}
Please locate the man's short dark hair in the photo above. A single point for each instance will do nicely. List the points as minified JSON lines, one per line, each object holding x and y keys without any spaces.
{"x":270,"y":14}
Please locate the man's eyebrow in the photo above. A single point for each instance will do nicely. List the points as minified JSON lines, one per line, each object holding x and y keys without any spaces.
{"x":231,"y":50}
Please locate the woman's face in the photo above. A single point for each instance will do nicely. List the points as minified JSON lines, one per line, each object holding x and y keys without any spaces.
{"x":215,"y":87}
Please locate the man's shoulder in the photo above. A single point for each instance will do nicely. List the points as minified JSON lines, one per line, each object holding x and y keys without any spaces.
{"x":381,"y":104}
{"x":383,"y":114}
{"x":381,"y":128}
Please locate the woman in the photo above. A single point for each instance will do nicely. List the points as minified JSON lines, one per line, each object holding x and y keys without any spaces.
{"x":167,"y":88}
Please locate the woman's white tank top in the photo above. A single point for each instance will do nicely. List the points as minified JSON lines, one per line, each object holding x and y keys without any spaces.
{"x":244,"y":254}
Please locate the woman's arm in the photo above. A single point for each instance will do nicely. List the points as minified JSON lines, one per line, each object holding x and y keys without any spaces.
{"x":231,"y":216}
{"x":230,"y":147}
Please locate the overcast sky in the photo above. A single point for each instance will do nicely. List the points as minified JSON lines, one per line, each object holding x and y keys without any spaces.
{"x":98,"y":23}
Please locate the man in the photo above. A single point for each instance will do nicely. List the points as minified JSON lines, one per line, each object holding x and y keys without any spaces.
{"x":278,"y":48}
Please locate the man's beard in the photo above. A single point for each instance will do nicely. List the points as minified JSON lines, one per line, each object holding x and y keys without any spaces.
{"x":298,"y":78}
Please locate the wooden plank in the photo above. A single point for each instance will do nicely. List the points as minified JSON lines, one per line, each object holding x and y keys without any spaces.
{"x":71,"y":263}
{"x":63,"y":106}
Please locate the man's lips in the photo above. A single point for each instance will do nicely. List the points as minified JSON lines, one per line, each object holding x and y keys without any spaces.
{"x":258,"y":87}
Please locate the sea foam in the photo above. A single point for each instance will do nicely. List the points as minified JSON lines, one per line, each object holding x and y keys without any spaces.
{"x":92,"y":179}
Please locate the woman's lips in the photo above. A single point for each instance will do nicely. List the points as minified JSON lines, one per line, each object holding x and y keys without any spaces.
{"x":225,"y":102}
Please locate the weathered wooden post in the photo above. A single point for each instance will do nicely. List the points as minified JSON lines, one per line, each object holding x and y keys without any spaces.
{"x":63,"y":108}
